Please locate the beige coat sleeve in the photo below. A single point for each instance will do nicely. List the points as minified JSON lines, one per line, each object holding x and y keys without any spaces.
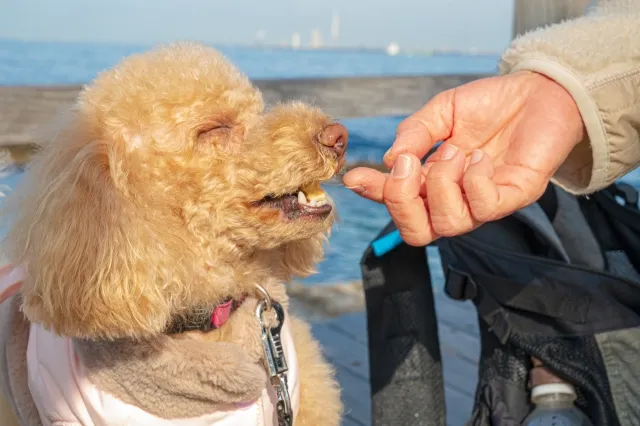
{"x":596,"y":58}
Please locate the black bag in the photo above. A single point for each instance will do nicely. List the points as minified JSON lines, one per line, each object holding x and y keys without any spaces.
{"x":557,"y":280}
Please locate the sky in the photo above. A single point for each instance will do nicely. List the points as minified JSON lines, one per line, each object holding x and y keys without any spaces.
{"x":413,"y":24}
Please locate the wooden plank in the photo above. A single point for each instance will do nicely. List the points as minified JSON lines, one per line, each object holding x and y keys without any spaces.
{"x":462,"y":344}
{"x":353,"y":325}
{"x":460,"y":316}
{"x":25,"y":109}
{"x":349,"y":421}
{"x":343,"y":351}
{"x":355,"y":396}
{"x":458,"y":407}
{"x":350,"y":359}
{"x":459,"y":374}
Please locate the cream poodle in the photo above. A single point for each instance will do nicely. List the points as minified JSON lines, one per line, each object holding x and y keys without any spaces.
{"x":151,"y":229}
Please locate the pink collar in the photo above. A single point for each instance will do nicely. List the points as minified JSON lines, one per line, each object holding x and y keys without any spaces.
{"x":203,"y":319}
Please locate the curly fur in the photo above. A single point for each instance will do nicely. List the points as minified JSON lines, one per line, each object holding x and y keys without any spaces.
{"x":142,"y":206}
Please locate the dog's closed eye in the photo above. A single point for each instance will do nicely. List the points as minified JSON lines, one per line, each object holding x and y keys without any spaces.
{"x":217,"y":131}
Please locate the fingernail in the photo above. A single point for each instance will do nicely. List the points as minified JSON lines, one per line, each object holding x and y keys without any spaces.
{"x":358,"y":189}
{"x":448,"y":152}
{"x":386,"y":154}
{"x":476,"y":156}
{"x":403,"y":167}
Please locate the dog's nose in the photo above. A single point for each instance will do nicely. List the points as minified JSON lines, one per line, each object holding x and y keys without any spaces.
{"x":336,"y":137}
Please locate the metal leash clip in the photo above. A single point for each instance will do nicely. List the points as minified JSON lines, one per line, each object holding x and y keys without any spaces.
{"x":274,"y":355}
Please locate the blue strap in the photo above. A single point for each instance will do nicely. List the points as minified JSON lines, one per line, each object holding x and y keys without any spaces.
{"x":385,"y":244}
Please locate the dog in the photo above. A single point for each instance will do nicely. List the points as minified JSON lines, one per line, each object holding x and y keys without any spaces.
{"x":157,"y":230}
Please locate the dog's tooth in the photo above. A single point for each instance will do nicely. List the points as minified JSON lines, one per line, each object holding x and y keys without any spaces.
{"x":318,"y":198}
{"x":313,"y":191}
{"x":302,"y":199}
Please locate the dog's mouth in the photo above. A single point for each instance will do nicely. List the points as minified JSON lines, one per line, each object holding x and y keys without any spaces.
{"x":308,"y":201}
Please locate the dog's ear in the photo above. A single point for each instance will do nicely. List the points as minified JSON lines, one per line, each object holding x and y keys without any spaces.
{"x":96,"y":266}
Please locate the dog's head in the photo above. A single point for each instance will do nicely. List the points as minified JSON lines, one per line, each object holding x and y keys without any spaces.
{"x":169,"y":187}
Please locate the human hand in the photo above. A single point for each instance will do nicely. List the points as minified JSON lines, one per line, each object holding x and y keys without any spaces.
{"x":10,"y":281}
{"x":504,"y":138}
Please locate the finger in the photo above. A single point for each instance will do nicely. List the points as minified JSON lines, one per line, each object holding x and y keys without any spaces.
{"x":481,"y":191}
{"x":433,"y":158}
{"x":494,"y":194}
{"x":367,"y":183}
{"x":420,"y":131}
{"x":449,"y":213}
{"x":407,"y":209}
{"x":423,"y":181}
{"x":518,"y":186}
{"x":436,"y":156}
{"x":10,"y":281}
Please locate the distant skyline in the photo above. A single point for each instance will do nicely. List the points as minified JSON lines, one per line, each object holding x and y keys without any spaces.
{"x":413,"y":24}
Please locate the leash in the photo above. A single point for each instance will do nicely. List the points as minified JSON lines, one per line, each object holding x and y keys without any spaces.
{"x":274,"y":355}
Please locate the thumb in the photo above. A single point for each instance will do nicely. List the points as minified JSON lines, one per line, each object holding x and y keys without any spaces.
{"x":402,"y":198}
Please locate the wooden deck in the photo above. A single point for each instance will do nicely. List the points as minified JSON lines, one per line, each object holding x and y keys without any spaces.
{"x":344,"y":339}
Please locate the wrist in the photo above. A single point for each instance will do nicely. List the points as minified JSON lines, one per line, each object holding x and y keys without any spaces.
{"x":560,"y":101}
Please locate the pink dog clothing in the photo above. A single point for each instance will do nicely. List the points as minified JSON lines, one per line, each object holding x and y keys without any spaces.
{"x":65,"y":397}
